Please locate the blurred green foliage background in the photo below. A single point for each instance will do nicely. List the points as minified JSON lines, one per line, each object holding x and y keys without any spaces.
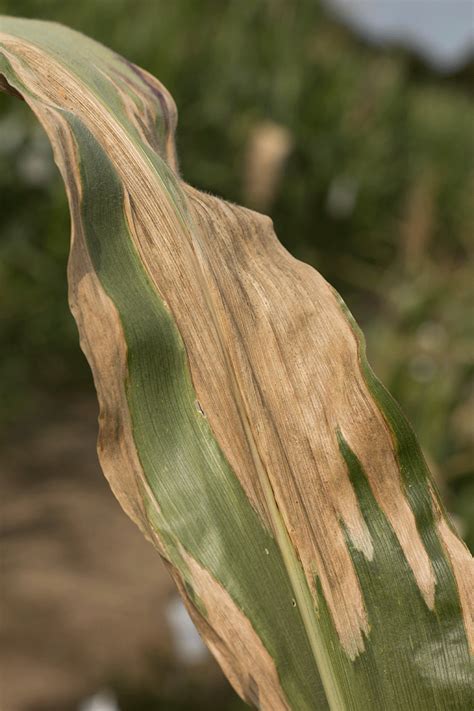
{"x":373,"y":187}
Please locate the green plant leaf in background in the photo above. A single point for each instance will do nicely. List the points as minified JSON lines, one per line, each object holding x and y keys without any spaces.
{"x":240,"y":426}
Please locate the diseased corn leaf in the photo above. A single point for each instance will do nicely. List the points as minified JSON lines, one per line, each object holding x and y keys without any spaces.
{"x":240,"y":425}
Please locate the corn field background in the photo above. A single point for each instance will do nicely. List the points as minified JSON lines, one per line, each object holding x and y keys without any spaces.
{"x":364,"y":160}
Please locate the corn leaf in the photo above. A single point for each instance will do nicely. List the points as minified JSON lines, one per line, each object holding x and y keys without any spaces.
{"x":240,"y":425}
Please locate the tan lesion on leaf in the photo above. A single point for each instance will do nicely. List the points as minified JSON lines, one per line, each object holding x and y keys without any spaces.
{"x":102,"y":340}
{"x":232,"y":639}
{"x":153,"y":118}
{"x":103,"y":343}
{"x":248,"y":295}
{"x":170,"y":260}
{"x":462,"y":564}
{"x":296,"y":360}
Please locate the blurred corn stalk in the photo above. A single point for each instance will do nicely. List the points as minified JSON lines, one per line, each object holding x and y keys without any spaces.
{"x":240,"y":425}
{"x":268,"y":148}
